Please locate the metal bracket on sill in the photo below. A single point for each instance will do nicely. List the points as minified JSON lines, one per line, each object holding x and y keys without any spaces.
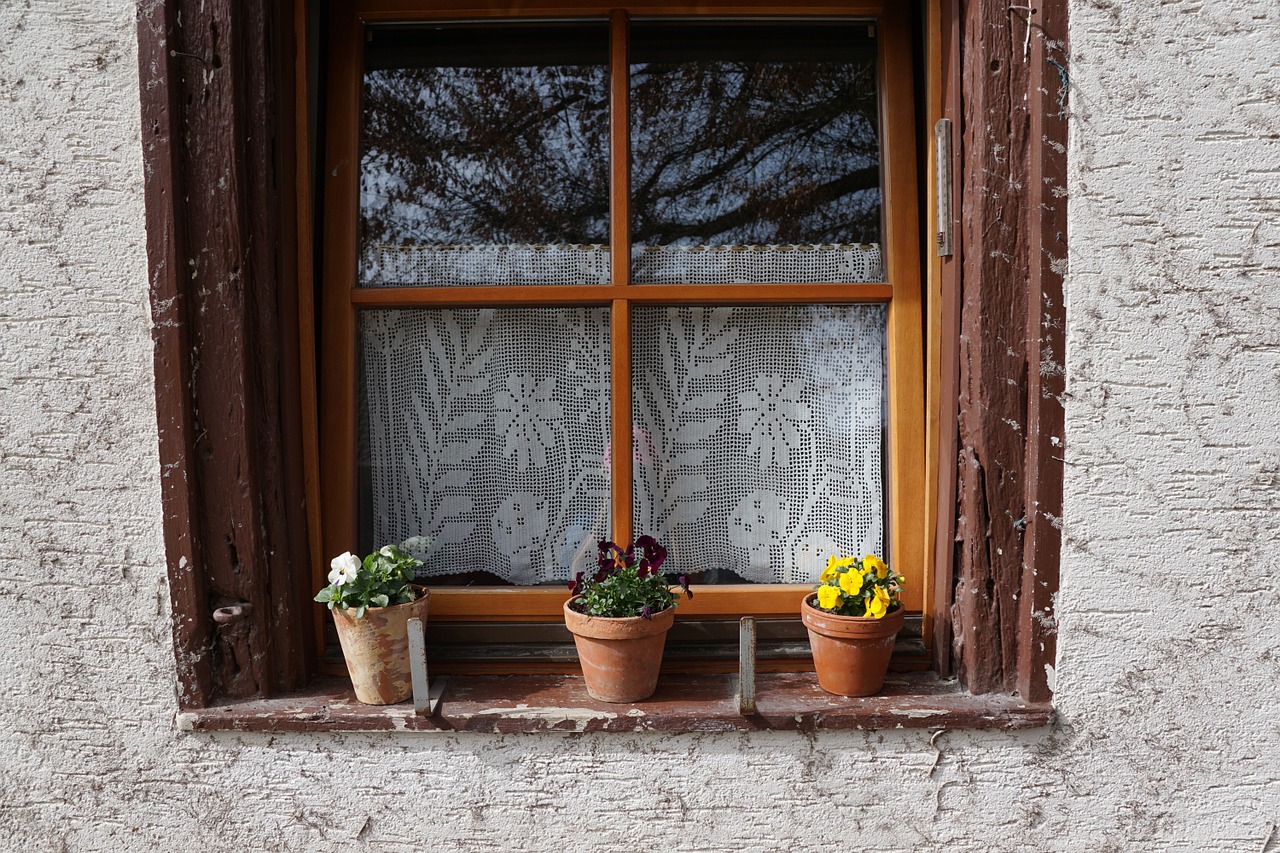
{"x":747,"y":666}
{"x":426,"y":696}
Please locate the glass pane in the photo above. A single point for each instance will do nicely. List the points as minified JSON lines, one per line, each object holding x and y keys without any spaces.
{"x":756,"y":156}
{"x":759,"y":437}
{"x":483,"y":439}
{"x":484,"y":156}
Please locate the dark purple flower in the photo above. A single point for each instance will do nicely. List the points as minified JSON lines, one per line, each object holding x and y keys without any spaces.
{"x":684,"y":584}
{"x":652,"y":553}
{"x":646,"y":612}
{"x":575,"y":585}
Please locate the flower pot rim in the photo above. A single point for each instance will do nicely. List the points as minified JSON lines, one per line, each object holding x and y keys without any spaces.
{"x":423,"y":594}
{"x":574,"y":598}
{"x":616,"y":627}
{"x":811,"y":598}
{"x":833,"y":624}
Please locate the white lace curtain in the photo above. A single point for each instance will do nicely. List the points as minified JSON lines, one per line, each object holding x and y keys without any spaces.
{"x":758,"y":436}
{"x":487,"y":437}
{"x":757,"y":431}
{"x":564,"y":264}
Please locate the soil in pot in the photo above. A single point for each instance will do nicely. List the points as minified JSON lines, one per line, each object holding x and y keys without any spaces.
{"x":376,"y":648}
{"x":850,"y":653}
{"x":620,"y":658}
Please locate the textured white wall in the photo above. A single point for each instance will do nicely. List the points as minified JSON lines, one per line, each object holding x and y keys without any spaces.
{"x":1170,"y":732}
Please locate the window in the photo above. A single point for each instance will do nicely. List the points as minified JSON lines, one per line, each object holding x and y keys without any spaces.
{"x":641,"y":271}
{"x":233,"y":398}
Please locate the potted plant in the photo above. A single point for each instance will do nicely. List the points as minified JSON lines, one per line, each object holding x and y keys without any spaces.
{"x":372,"y":601}
{"x":853,"y":617}
{"x":619,"y":618}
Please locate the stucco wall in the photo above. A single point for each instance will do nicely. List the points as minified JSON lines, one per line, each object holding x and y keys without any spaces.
{"x":1170,"y":732}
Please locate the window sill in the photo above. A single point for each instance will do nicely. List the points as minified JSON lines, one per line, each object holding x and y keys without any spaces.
{"x":683,"y":703}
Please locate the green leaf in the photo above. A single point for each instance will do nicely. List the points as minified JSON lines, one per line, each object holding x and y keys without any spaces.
{"x":379,"y":601}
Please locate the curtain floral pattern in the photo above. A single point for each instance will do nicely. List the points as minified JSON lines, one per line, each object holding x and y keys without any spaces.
{"x":760,"y":436}
{"x":484,"y":437}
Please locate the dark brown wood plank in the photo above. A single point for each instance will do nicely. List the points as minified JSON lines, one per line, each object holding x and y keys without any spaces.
{"x":683,"y":703}
{"x":993,"y":348}
{"x":169,"y":309}
{"x":227,"y":260}
{"x":1046,"y":332}
{"x":1009,"y":470}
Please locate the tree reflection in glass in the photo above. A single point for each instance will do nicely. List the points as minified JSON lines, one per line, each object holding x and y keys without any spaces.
{"x":752,"y":134}
{"x":478,"y":143}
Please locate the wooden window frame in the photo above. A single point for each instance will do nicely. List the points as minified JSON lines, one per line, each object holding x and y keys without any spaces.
{"x":900,"y":292}
{"x":229,"y":218}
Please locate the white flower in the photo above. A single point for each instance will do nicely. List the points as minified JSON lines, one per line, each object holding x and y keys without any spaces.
{"x":344,"y":569}
{"x":386,"y":551}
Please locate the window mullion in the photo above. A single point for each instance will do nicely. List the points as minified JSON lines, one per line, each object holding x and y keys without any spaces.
{"x":620,"y":267}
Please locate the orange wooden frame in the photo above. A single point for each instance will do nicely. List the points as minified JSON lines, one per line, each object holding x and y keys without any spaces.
{"x":334,"y":490}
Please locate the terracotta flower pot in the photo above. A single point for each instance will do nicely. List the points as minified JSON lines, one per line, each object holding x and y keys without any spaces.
{"x":376,"y":648}
{"x":850,"y":653}
{"x":619,"y":657}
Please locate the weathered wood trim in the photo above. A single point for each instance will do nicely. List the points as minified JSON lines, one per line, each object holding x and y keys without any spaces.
{"x":1046,"y":333}
{"x":169,"y":308}
{"x":219,"y":189}
{"x":1009,"y":473}
{"x":948,"y":295}
{"x":683,"y":703}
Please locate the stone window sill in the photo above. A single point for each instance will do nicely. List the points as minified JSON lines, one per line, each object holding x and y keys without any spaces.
{"x":683,"y":703}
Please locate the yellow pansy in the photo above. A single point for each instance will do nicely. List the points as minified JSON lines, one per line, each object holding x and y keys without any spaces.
{"x":834,"y":565}
{"x":851,"y":582}
{"x":871,"y":561}
{"x":878,"y":604}
{"x":828,"y":597}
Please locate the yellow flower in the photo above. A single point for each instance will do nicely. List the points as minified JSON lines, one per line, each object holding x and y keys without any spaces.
{"x":878,"y":604}
{"x":851,"y":582}
{"x":828,"y":597}
{"x":871,"y":561}
{"x":834,"y":565}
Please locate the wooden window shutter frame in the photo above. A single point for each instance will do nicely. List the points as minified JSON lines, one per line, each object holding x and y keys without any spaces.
{"x":226,"y":170}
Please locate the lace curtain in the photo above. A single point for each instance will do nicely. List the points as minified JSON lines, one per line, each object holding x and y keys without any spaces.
{"x":564,"y":264}
{"x":486,"y":434}
{"x":758,"y":431}
{"x":759,"y":435}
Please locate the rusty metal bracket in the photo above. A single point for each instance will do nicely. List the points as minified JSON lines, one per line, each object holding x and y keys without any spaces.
{"x":747,"y":666}
{"x":426,"y":696}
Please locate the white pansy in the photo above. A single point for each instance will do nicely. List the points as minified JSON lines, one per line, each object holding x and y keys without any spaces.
{"x":386,"y":551}
{"x":344,"y":568}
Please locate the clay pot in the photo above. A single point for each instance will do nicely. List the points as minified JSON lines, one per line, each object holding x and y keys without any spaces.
{"x":376,"y":648}
{"x":850,"y":653}
{"x":619,"y":657}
